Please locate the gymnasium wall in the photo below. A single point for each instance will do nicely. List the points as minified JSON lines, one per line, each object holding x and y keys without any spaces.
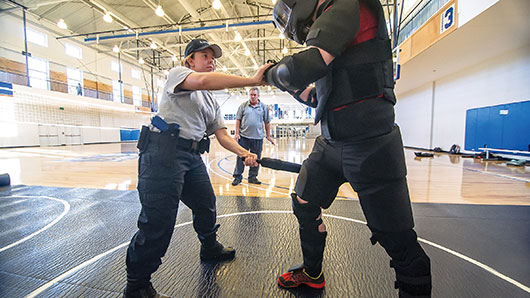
{"x":95,"y":64}
{"x":482,"y":63}
{"x":33,"y":117}
{"x":444,"y":102}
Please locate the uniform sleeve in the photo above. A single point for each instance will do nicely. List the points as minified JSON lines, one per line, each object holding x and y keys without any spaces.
{"x":175,"y":77}
{"x":336,"y":27}
{"x":217,"y":123}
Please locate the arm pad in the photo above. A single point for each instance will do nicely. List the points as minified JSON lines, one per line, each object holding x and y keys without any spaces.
{"x":297,"y":71}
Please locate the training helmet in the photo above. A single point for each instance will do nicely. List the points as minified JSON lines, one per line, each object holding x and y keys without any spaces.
{"x":294,"y":18}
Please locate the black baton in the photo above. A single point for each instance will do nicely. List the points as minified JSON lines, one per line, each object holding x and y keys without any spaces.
{"x":277,"y":164}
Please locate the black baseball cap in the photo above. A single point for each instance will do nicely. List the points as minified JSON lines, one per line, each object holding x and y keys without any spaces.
{"x":201,"y":44}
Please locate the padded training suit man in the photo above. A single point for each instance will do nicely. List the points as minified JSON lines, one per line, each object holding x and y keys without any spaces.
{"x":349,"y":58}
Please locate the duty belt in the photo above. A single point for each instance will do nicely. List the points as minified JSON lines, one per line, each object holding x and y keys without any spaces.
{"x":188,"y":145}
{"x":181,"y":144}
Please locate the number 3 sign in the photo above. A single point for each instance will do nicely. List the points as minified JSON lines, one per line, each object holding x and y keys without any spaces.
{"x":447,"y":19}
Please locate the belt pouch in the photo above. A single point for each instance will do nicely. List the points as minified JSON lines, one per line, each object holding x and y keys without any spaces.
{"x":168,"y":145}
{"x":204,"y":145}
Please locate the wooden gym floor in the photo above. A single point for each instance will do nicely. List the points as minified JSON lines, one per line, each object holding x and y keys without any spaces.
{"x":441,"y":179}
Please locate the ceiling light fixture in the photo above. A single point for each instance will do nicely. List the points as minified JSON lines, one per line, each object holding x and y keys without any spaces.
{"x":284,"y":50}
{"x":166,"y":72}
{"x":107,"y":18}
{"x":174,"y":58}
{"x":153,"y":45}
{"x":255,"y":67}
{"x":159,"y":11}
{"x":225,"y":68}
{"x":282,"y":36}
{"x":238,"y":37}
{"x":273,"y":1}
{"x":247,"y":52}
{"x":115,"y":49}
{"x":216,"y":4}
{"x":61,"y":24}
{"x":141,"y":60}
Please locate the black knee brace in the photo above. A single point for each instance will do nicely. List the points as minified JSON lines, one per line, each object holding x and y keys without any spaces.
{"x":312,"y":240}
{"x":409,"y":260}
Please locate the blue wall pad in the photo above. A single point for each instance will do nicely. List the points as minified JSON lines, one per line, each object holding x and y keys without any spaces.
{"x":129,"y":134}
{"x":504,"y":126}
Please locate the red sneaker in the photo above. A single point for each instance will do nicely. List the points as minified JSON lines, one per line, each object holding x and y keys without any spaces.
{"x":296,"y":277}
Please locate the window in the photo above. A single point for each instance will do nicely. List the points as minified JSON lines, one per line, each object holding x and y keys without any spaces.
{"x":37,"y":37}
{"x":114,"y":65}
{"x":73,"y":51}
{"x":38,"y":73}
{"x":137,"y":96}
{"x":117,"y":91}
{"x":75,"y":81}
{"x":135,"y":73}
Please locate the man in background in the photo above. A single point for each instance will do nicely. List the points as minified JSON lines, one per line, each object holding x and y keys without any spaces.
{"x":251,"y":117}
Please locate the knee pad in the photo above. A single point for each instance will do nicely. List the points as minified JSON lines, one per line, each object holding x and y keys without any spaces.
{"x":307,"y":214}
{"x":312,"y":240}
{"x":409,"y":260}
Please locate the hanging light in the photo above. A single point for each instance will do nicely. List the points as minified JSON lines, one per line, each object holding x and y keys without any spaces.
{"x":284,"y":50}
{"x":247,"y":52}
{"x":141,"y":60}
{"x":255,"y":67}
{"x":115,"y":49}
{"x":107,"y":18}
{"x":153,"y":45}
{"x":216,"y":4}
{"x":166,"y":72}
{"x":159,"y":11}
{"x":225,"y":68}
{"x":61,"y":24}
{"x":282,"y":36}
{"x":174,"y":58}
{"x":238,"y":37}
{"x":273,"y":1}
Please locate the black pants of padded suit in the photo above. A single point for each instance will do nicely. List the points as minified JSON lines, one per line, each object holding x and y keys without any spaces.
{"x":376,"y":170}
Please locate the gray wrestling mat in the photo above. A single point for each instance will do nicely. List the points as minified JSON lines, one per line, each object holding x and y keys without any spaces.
{"x":61,"y":242}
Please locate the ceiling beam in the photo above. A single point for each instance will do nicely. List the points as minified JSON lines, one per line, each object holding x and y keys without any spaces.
{"x":214,"y":37}
{"x":123,"y":20}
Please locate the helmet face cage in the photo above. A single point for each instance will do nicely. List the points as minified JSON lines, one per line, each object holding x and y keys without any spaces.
{"x":281,"y":15}
{"x":288,"y":22}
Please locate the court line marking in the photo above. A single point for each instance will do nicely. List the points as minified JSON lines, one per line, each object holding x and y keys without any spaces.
{"x":56,"y":220}
{"x":520,"y":179}
{"x":457,"y":254}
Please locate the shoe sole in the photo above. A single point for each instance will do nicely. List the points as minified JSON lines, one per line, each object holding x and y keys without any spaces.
{"x":219,"y":259}
{"x":311,"y":285}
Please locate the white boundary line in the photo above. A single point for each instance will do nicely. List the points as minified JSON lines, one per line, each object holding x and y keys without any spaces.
{"x":459,"y":255}
{"x":65,"y":211}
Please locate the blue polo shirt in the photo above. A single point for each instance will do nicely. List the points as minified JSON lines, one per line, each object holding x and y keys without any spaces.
{"x":252,"y":120}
